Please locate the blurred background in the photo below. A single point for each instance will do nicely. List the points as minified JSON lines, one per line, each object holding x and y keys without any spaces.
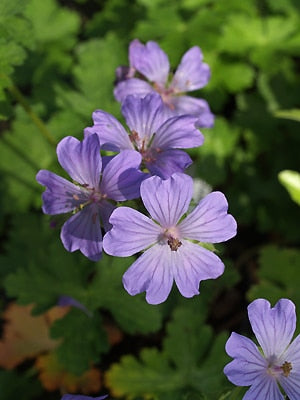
{"x":57,"y":65}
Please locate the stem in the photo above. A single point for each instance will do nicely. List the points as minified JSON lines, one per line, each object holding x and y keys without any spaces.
{"x":36,"y":120}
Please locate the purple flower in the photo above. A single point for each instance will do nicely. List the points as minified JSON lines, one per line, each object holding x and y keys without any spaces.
{"x":169,"y":240}
{"x":152,"y":133}
{"x":88,"y":198}
{"x":277,"y":361}
{"x":153,"y":68}
{"x":81,"y":397}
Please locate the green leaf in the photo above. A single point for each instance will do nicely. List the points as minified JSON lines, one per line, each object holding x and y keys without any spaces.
{"x":36,"y":278}
{"x":291,"y":181}
{"x":94,"y":75}
{"x":51,"y":22}
{"x":84,"y":340}
{"x":131,"y":312}
{"x":24,"y":151}
{"x":190,"y":360}
{"x":21,"y":386}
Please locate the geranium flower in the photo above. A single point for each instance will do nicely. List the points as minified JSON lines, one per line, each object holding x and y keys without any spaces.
{"x":169,"y":240}
{"x":149,"y":71}
{"x":276,"y":363}
{"x":152,"y":133}
{"x":88,"y":198}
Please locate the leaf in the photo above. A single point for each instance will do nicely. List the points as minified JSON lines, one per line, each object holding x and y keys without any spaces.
{"x":148,"y":375}
{"x":26,"y":336}
{"x":23,"y":151}
{"x":94,"y":75}
{"x":15,"y":37}
{"x":54,"y":376}
{"x":33,"y":277}
{"x":291,"y":181}
{"x":52,"y":23}
{"x":132,"y":313}
{"x":191,"y":359}
{"x":83,"y":340}
{"x":14,"y":385}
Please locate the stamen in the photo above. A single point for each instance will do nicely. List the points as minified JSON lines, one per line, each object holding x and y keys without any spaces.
{"x":286,"y":368}
{"x":174,"y":243}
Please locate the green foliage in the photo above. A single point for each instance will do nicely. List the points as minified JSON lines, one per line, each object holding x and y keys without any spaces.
{"x":22,"y":386}
{"x":186,"y":363}
{"x":15,"y":38}
{"x":84,"y":340}
{"x":133,"y":314}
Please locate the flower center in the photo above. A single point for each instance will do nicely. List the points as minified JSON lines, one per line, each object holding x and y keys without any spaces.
{"x":174,"y":243}
{"x":89,"y":196}
{"x":286,"y":368}
{"x":277,"y":370}
{"x":171,"y":236}
{"x":166,"y":95}
{"x":143,"y":146}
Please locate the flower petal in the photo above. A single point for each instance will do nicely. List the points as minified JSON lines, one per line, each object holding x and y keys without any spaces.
{"x":131,"y":232}
{"x":167,"y":162}
{"x":82,"y":232}
{"x":178,"y":132}
{"x":132,"y":86}
{"x":191,"y":264}
{"x":194,"y":106}
{"x":151,"y":273}
{"x":150,"y":60}
{"x":291,"y":384}
{"x":60,"y":196}
{"x":144,"y":116}
{"x":110,"y":131}
{"x":121,"y":179}
{"x":167,"y":200}
{"x":264,"y":388}
{"x":192,"y":73}
{"x":105,"y":211}
{"x":248,"y":363}
{"x":209,"y":221}
{"x":81,"y":160}
{"x":273,"y":327}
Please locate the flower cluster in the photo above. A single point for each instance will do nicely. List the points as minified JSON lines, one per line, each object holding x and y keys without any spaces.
{"x":148,"y":161}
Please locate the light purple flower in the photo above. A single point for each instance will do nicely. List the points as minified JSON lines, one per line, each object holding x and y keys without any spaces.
{"x":169,"y":240}
{"x":157,"y":137}
{"x":277,"y":361}
{"x":152,"y":66}
{"x":88,"y":197}
{"x":81,"y":397}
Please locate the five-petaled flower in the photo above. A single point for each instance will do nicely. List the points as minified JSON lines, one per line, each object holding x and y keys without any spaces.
{"x":88,"y":198}
{"x":278,"y":360}
{"x":171,"y":252}
{"x":152,"y":133}
{"x":151,"y":65}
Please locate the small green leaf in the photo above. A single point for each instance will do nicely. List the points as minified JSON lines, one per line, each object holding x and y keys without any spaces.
{"x":291,"y":181}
